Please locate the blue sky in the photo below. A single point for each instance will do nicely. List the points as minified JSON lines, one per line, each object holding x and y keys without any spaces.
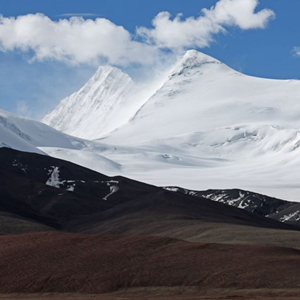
{"x":32,"y":86}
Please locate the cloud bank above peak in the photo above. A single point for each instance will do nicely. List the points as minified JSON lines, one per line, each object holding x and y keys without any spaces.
{"x":199,"y":32}
{"x":78,"y":40}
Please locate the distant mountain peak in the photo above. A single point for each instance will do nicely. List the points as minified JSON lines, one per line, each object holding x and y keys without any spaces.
{"x":194,"y":56}
{"x":100,"y":106}
{"x":106,"y":72}
{"x":194,"y":59}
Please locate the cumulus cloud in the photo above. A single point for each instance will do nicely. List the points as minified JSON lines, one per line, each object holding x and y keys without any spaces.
{"x":199,"y":32}
{"x":239,"y":13}
{"x":74,"y":40}
{"x":77,"y":40}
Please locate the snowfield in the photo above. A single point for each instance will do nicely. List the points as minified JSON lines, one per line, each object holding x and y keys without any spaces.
{"x":208,"y":126}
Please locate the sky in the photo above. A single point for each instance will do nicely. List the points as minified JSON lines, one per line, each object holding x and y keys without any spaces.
{"x":49,"y":49}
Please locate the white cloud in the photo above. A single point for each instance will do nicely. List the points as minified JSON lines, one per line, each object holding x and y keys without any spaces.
{"x":199,"y":32}
{"x":74,"y":40}
{"x":239,"y":13}
{"x":296,"y":51}
{"x":77,"y":40}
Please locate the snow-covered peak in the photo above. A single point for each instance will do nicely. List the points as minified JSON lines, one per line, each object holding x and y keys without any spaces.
{"x":104,"y":103}
{"x":202,"y":93}
{"x":194,"y":60}
{"x":106,"y":74}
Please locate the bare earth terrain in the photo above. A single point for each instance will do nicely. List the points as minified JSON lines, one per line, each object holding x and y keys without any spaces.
{"x":91,"y":264}
{"x":140,"y":242}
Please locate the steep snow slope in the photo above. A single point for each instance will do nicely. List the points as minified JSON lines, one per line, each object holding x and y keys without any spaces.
{"x":105,"y":102}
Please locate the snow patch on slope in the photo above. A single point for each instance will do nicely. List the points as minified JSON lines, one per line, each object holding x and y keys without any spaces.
{"x":293,"y":217}
{"x":54,"y":178}
{"x":113,"y":187}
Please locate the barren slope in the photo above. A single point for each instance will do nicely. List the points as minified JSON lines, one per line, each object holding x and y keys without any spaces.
{"x":59,"y":262}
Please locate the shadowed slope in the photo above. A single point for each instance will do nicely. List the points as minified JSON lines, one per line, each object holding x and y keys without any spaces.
{"x":13,"y":224}
{"x":188,"y":218}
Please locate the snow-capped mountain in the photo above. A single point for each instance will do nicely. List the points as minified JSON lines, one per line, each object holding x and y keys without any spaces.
{"x":88,"y":113}
{"x":207,"y":127}
{"x":211,"y":126}
{"x":202,"y":94}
